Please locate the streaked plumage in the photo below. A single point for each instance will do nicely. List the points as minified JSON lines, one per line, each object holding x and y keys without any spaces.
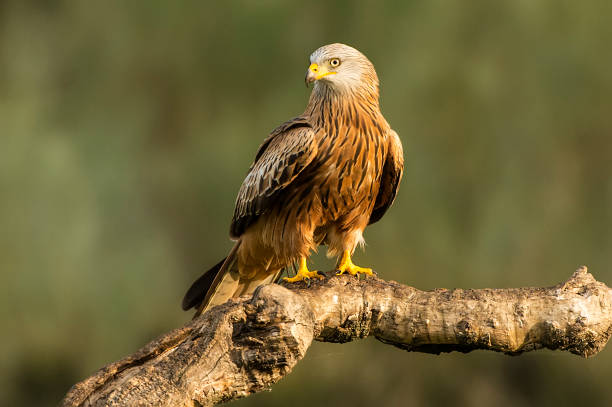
{"x":319,"y":178}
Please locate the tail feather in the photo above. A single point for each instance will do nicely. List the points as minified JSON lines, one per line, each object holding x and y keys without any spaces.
{"x":196,"y":293}
{"x":215,"y":286}
{"x":248,"y":286}
{"x":223,"y":287}
{"x":223,"y":282}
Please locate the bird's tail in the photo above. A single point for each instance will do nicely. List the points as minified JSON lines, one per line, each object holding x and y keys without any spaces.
{"x":223,"y":282}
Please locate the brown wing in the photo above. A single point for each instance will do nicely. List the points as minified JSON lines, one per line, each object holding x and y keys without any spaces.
{"x":282,"y":156}
{"x":391,"y":177}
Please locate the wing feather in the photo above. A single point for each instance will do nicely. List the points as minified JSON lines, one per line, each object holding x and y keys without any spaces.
{"x":393,"y":168}
{"x":279,"y":160}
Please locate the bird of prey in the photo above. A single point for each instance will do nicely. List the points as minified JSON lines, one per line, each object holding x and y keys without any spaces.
{"x":319,"y":178}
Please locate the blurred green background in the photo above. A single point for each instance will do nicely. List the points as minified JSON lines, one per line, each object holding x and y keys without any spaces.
{"x":126,"y":129}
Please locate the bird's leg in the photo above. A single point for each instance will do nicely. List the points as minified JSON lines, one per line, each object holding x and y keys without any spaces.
{"x":345,"y":265}
{"x":303,"y":273}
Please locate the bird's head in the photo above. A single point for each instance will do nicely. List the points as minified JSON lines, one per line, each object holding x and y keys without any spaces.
{"x":342,"y":68}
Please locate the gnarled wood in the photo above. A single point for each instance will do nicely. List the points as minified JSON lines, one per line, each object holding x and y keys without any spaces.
{"x":246,"y":345}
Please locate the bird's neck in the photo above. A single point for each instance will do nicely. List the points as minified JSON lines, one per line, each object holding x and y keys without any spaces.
{"x":328,"y":106}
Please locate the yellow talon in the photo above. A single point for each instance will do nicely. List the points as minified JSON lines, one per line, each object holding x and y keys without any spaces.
{"x":346,"y":266}
{"x":303,"y":273}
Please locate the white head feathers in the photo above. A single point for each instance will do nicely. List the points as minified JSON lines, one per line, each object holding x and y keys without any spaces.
{"x":345,"y":68}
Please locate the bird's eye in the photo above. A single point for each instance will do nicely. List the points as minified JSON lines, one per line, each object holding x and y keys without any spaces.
{"x":334,"y":62}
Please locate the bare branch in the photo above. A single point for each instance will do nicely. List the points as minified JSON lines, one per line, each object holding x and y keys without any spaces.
{"x":247,"y":345}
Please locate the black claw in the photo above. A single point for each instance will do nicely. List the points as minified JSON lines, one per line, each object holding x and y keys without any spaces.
{"x":321,"y":274}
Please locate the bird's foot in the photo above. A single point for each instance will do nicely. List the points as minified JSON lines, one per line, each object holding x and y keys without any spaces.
{"x":346,"y":265}
{"x":304,"y":274}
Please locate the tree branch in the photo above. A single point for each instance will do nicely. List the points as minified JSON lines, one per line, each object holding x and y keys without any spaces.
{"x":248,"y":344}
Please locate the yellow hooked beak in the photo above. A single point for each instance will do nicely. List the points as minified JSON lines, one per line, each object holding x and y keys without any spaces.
{"x":316,"y":72}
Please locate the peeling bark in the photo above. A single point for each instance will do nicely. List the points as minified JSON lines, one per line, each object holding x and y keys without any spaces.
{"x":248,"y":344}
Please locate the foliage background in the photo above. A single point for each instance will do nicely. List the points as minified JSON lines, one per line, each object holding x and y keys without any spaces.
{"x":127,"y":128}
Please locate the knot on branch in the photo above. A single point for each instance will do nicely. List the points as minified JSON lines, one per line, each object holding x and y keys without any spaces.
{"x":275,"y":333}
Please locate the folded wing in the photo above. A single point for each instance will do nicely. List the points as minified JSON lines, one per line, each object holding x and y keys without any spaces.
{"x":393,"y":168}
{"x":280,"y":159}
